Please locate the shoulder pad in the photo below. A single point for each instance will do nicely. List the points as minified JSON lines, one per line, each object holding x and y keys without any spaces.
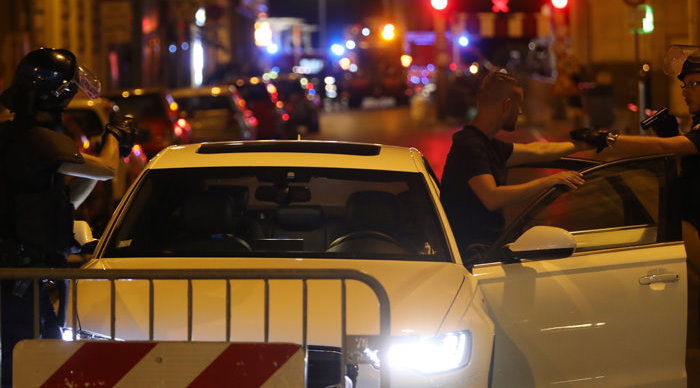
{"x":40,"y":148}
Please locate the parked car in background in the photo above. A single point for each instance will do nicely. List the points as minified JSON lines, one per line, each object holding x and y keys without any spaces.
{"x":158,"y":116}
{"x":84,"y":120}
{"x":583,"y":287}
{"x":300,"y":101}
{"x":262,"y":99}
{"x":216,"y":113}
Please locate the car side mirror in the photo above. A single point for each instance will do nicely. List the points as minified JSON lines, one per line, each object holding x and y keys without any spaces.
{"x":83,"y":236}
{"x":82,"y":233}
{"x":542,"y":242}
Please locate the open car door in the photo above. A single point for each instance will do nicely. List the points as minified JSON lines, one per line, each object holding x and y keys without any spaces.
{"x":613,"y":313}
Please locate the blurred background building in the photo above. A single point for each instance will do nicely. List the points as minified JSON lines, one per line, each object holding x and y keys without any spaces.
{"x":134,"y":43}
{"x":602,"y":50}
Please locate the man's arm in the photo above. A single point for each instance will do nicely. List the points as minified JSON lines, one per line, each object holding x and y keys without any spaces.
{"x":627,"y":145}
{"x":95,"y":168}
{"x":100,"y":167}
{"x":542,"y":152}
{"x":497,"y":197}
{"x":80,"y":189}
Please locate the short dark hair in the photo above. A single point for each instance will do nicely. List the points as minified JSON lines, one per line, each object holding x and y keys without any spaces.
{"x":496,"y":86}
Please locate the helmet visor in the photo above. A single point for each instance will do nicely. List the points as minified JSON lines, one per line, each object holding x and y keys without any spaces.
{"x":87,"y":82}
{"x":676,"y":56}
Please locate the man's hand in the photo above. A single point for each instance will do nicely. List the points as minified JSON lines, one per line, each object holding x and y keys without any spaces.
{"x":664,"y":124}
{"x":123,"y":128}
{"x":598,"y":138}
{"x":572,"y":179}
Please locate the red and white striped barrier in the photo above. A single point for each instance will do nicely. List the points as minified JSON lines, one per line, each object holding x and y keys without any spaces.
{"x":55,"y":363}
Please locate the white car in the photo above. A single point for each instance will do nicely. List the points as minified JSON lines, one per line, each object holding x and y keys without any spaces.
{"x":584,"y":287}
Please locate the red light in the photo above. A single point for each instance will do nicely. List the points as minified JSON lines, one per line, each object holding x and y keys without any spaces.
{"x":559,"y":4}
{"x":501,"y":5}
{"x":453,"y":66}
{"x":181,"y":126}
{"x":285,"y":117}
{"x":439,"y":4}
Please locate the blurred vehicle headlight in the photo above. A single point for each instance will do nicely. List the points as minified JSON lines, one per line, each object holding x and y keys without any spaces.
{"x":432,"y":355}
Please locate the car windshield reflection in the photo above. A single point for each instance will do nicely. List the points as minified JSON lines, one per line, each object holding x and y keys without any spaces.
{"x":280,"y":212}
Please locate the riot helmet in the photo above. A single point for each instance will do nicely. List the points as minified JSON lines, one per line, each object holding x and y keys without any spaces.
{"x":681,"y":60}
{"x":47,"y":79}
{"x":690,"y":65}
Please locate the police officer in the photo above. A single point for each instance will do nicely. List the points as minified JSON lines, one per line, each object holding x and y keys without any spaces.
{"x":37,"y":200}
{"x":669,"y":141}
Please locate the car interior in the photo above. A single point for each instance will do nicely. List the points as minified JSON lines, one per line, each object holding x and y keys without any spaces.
{"x":280,"y":212}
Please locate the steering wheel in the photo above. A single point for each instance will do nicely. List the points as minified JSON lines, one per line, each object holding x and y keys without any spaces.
{"x":373,"y":234}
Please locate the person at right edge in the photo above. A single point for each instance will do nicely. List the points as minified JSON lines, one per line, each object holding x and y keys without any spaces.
{"x":670,"y":141}
{"x":43,"y":178}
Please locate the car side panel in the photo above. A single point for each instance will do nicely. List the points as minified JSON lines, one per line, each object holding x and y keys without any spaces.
{"x":586,"y":319}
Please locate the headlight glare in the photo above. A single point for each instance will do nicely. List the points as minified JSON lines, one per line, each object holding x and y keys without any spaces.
{"x":432,"y":355}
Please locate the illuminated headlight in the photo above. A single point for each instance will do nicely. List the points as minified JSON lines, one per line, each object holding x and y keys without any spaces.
{"x":433,"y":355}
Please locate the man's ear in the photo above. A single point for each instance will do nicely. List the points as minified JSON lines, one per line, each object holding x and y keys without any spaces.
{"x":506,"y":104}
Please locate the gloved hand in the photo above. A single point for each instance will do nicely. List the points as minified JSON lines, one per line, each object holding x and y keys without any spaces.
{"x":123,"y":128}
{"x":663,"y":123}
{"x":597,"y":138}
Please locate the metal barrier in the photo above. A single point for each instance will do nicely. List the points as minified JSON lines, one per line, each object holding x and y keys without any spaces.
{"x":37,"y":275}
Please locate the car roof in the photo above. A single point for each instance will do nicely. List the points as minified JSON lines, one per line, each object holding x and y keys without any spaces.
{"x":298,"y":153}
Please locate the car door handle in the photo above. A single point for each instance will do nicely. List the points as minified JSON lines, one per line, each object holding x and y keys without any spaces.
{"x":659,"y":278}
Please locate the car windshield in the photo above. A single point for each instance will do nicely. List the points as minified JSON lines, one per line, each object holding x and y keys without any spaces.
{"x":195,"y":103}
{"x":280,"y":212}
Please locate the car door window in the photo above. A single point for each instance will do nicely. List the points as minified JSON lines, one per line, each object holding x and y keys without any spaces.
{"x":589,"y":304}
{"x":622,"y":203}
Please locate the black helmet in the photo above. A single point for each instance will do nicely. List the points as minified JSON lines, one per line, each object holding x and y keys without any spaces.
{"x":47,"y":79}
{"x":690,"y":65}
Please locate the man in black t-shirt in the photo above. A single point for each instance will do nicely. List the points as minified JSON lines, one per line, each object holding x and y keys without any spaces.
{"x":473,"y":189}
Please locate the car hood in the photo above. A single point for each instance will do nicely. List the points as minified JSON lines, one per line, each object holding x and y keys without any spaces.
{"x":420,"y":294}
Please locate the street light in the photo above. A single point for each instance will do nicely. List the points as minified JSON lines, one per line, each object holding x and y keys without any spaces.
{"x":560,"y":4}
{"x":439,"y":5}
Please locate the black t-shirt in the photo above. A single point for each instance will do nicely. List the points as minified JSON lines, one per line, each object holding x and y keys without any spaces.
{"x":473,"y":153}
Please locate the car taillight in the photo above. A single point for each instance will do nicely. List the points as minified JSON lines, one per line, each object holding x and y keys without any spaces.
{"x":250,"y":118}
{"x":181,"y":127}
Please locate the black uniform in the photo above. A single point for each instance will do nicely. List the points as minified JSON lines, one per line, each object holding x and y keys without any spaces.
{"x":473,"y":153}
{"x":689,"y":179}
{"x":36,"y":224}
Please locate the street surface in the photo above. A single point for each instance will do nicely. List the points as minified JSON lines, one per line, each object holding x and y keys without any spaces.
{"x":396,"y":126}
